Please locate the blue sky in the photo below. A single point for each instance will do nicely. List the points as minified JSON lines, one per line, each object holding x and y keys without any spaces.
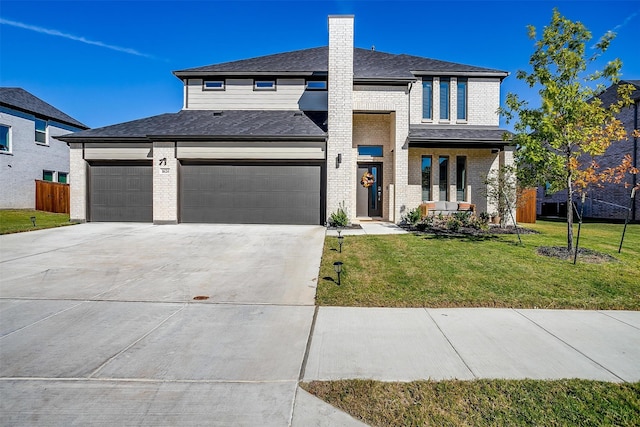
{"x":106,"y":62}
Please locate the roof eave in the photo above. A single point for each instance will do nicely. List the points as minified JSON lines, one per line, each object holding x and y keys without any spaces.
{"x":400,"y":81}
{"x":196,"y":74}
{"x":500,"y":74}
{"x":237,"y":137}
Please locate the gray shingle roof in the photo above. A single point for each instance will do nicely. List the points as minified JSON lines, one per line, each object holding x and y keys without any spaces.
{"x":208,"y":124}
{"x":459,"y":133}
{"x":20,"y":99}
{"x":367,"y":64}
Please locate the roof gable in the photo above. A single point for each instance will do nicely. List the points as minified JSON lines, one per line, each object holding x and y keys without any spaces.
{"x":20,"y":99}
{"x":367,"y":64}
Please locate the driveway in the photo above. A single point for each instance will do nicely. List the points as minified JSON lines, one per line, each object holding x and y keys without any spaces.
{"x":98,"y":323}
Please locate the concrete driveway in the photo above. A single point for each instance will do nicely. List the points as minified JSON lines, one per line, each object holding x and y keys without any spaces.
{"x":98,"y":323}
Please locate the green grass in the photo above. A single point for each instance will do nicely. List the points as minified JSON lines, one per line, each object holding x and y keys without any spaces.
{"x":484,"y":402}
{"x":429,"y":271}
{"x":18,"y":220}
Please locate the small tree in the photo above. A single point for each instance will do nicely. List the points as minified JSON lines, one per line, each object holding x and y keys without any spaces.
{"x":501,"y":191}
{"x":558,"y":142}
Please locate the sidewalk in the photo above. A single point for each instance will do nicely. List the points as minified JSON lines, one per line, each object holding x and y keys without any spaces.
{"x":369,"y":227}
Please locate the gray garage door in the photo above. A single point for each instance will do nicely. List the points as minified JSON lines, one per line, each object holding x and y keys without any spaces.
{"x":121,"y":193}
{"x":251,"y":194}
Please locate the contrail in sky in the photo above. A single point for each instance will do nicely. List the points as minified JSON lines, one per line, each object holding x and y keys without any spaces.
{"x":72,"y":37}
{"x":626,"y":21}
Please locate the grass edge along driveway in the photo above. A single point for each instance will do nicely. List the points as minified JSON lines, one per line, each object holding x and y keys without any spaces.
{"x":19,"y":220}
{"x":419,"y":270}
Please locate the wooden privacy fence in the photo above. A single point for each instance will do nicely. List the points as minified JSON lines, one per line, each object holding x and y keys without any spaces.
{"x":52,"y":197}
{"x":526,"y":209}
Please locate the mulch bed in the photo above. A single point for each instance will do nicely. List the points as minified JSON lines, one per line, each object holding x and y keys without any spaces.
{"x":584,"y":254}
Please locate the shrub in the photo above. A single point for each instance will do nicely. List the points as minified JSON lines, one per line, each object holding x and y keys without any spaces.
{"x":413,"y":217}
{"x":339,"y":218}
{"x":453,"y":223}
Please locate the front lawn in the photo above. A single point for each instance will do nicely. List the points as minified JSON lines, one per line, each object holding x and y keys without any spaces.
{"x":17,"y":220}
{"x":417,"y":270}
{"x":484,"y":402}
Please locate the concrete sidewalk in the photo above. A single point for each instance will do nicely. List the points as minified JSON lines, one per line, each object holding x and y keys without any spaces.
{"x":369,"y":227}
{"x":399,"y":344}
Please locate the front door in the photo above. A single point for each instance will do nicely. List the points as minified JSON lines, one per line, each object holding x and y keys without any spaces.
{"x":369,"y":194}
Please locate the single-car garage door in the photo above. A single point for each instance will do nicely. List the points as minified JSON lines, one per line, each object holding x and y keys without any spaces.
{"x":121,"y":193}
{"x":251,"y":194}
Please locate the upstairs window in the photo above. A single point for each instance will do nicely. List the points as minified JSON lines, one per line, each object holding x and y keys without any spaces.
{"x":462,"y":100}
{"x":63,"y":177}
{"x":264,"y":85}
{"x":444,"y":99}
{"x":5,"y":139}
{"x":316,"y":85}
{"x":41,"y":131}
{"x":427,"y":99}
{"x":213,"y":85}
{"x":47,"y":175}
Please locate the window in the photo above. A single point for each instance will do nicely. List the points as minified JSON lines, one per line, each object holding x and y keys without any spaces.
{"x":41,"y":131}
{"x":444,"y":178}
{"x":426,"y":178}
{"x":462,"y":99}
{"x":461,"y":178}
{"x":47,"y":176}
{"x":5,"y":139}
{"x":427,"y":99}
{"x":213,"y":85}
{"x":264,"y":85}
{"x":317,"y":85}
{"x":370,"y":150}
{"x":444,"y":99}
{"x":62,"y":177}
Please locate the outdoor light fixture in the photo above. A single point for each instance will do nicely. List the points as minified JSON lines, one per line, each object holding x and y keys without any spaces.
{"x":337,"y":266}
{"x":33,"y":220}
{"x":340,"y":241}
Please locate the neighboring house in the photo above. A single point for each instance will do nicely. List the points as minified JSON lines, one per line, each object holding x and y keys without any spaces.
{"x":28,"y":150}
{"x":609,"y":201}
{"x":287,"y":138}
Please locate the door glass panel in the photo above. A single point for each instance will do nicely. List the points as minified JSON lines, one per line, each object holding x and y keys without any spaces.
{"x":444,"y":178}
{"x":374,"y":188}
{"x":426,"y":178}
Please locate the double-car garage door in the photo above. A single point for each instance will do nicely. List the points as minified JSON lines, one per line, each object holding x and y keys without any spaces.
{"x":212,"y":193}
{"x":250,"y":193}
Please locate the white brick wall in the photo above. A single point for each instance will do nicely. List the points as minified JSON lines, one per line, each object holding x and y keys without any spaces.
{"x":78,"y":186}
{"x":165,"y":183}
{"x":482,"y":103}
{"x":340,"y":177}
{"x":479,"y":163}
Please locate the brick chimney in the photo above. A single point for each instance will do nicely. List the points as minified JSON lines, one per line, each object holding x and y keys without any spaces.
{"x":341,"y":166}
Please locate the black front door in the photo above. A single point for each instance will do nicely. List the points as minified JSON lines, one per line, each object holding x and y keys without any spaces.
{"x":369,"y":194}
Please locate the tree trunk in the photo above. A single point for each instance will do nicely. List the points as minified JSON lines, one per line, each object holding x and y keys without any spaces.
{"x":570,"y":212}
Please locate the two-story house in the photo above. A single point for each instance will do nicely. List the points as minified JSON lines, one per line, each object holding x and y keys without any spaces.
{"x":28,"y":148}
{"x":606,"y":201}
{"x":292,"y":137}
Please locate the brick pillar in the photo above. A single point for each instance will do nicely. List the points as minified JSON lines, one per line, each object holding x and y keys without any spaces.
{"x":341,"y":177}
{"x":165,"y":183}
{"x":77,"y":183}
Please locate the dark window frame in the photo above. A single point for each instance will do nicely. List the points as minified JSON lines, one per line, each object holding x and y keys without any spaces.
{"x":426,"y":186}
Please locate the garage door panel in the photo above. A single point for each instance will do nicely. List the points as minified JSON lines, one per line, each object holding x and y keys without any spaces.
{"x":268,"y":194}
{"x":121,"y":193}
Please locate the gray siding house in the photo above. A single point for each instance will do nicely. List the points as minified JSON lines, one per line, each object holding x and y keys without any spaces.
{"x":28,"y":148}
{"x":294,"y":136}
{"x":607,"y":202}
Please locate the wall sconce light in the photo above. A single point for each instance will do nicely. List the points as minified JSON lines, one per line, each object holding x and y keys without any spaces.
{"x":338,"y":160}
{"x":337,"y":266}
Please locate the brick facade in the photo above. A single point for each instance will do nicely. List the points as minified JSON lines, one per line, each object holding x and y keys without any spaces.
{"x":78,"y":188}
{"x":340,"y":175}
{"x":165,"y":183}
